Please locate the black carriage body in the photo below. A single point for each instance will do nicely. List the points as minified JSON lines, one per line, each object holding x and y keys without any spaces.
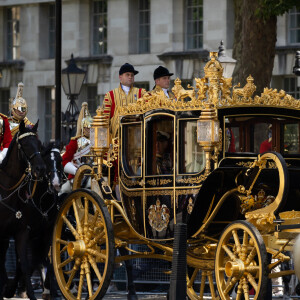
{"x":155,"y":199}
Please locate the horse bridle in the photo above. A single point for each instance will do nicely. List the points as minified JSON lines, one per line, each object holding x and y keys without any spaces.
{"x":19,"y":137}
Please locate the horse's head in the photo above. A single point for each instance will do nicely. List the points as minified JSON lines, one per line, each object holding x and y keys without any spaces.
{"x":54,"y":169}
{"x":29,"y":147}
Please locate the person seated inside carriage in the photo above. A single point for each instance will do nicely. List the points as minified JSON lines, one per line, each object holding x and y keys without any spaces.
{"x":78,"y":147}
{"x":164,"y":163}
{"x":18,"y":111}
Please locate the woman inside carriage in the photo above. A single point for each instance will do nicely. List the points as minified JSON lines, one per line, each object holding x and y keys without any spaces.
{"x":78,"y":147}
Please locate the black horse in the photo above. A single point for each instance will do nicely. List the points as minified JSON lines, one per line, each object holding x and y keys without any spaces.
{"x":46,"y":202}
{"x":20,"y":172}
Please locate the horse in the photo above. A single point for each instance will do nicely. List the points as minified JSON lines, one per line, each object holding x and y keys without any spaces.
{"x":20,"y":171}
{"x":45,"y":201}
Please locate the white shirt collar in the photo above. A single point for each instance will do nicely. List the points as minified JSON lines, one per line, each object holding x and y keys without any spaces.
{"x":166,"y":92}
{"x":125,"y":88}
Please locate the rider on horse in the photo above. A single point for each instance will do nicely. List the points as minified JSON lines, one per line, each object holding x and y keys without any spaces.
{"x":78,"y":147}
{"x":18,"y":111}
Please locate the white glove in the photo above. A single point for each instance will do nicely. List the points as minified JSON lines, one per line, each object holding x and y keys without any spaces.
{"x":3,"y":154}
{"x":70,"y":168}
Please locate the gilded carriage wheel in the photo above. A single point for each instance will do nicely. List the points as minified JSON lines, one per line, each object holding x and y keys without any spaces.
{"x":81,"y":171}
{"x":83,"y":246}
{"x":241,"y":262}
{"x":197,"y":279}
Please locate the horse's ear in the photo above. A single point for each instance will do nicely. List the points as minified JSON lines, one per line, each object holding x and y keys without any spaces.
{"x":22,"y":126}
{"x":35,"y":127}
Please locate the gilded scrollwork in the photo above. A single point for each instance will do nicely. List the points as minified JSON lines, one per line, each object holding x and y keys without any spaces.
{"x":192,"y":180}
{"x":129,"y":182}
{"x":213,"y":89}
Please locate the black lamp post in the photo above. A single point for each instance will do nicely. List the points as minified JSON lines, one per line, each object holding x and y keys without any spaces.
{"x":228,"y":63}
{"x":72,"y":79}
{"x":296,"y":69}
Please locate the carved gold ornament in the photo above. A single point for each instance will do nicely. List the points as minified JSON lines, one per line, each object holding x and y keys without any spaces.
{"x":250,"y":203}
{"x":213,"y":89}
{"x":159,"y":216}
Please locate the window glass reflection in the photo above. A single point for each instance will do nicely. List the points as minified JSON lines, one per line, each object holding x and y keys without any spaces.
{"x":132,"y":149}
{"x":191,"y":155}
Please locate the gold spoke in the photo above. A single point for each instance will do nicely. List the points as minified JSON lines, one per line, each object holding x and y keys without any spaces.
{"x":252,"y":282}
{"x":62,"y":241}
{"x":230,"y":284}
{"x":239,"y":292}
{"x":252,"y":269}
{"x":246,"y":289}
{"x":211,"y":284}
{"x":96,"y":239}
{"x":65,"y":248}
{"x":202,"y":285}
{"x":236,"y":240}
{"x":245,"y":238}
{"x":195,"y":272}
{"x":80,"y":285}
{"x":251,"y":256}
{"x":86,"y":213}
{"x":70,"y":226}
{"x":96,"y":253}
{"x":72,"y":275}
{"x":229,"y":252}
{"x":95,"y":268}
{"x":67,"y":261}
{"x":78,"y":223}
{"x":88,"y":276}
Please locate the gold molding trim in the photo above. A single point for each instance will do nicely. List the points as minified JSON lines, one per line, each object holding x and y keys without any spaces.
{"x":192,"y":180}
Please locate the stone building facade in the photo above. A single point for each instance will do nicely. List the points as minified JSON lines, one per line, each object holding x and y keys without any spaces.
{"x":104,"y":34}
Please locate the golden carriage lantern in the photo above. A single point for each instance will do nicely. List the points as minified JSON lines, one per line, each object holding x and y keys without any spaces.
{"x":100,"y":137}
{"x":208,"y":125}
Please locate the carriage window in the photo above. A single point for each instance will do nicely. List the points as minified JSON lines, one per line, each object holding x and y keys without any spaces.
{"x":132,"y":149}
{"x":262,"y":137}
{"x":159,"y":145}
{"x":191,"y":155}
{"x":291,"y":138}
{"x":232,"y":142}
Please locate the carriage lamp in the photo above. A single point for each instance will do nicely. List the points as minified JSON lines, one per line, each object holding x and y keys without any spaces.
{"x":208,"y":126}
{"x":208,"y":130}
{"x":100,"y":137}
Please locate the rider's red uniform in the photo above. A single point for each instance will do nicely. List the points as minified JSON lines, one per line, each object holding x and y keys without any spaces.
{"x":67,"y":157}
{"x":5,"y":136}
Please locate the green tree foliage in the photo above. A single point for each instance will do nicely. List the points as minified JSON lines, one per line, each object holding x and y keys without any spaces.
{"x":255,"y":38}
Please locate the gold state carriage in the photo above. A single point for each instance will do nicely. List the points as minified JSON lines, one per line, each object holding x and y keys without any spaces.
{"x":195,"y":160}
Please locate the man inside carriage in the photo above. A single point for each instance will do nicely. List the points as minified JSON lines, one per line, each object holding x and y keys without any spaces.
{"x":78,"y":147}
{"x":18,"y":111}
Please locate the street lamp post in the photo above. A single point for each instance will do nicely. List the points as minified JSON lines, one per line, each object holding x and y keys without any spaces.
{"x":72,"y":79}
{"x":296,"y":69}
{"x":228,"y":63}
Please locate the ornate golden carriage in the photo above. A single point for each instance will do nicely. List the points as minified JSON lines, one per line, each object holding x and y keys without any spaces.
{"x":218,"y":159}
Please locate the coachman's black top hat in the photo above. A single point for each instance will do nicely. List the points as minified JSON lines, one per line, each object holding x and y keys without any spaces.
{"x":127,"y":68}
{"x":161,"y":72}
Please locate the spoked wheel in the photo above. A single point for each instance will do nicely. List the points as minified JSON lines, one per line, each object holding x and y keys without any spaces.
{"x":81,"y":177}
{"x":83,"y":246}
{"x":197,"y":280}
{"x":241,"y":262}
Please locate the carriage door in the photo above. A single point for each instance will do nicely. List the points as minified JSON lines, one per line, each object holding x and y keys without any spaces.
{"x":159,"y":176}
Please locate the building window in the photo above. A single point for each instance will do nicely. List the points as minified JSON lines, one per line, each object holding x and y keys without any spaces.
{"x":294,"y":26}
{"x":290,"y":87}
{"x":49,"y":114}
{"x":92,"y":99}
{"x":51,"y":20}
{"x":99,"y":27}
{"x":142,"y":85}
{"x":144,"y":26}
{"x":4,"y":101}
{"x":12,"y":15}
{"x":194,"y":24}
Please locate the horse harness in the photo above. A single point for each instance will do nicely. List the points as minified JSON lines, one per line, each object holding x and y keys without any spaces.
{"x":26,"y":178}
